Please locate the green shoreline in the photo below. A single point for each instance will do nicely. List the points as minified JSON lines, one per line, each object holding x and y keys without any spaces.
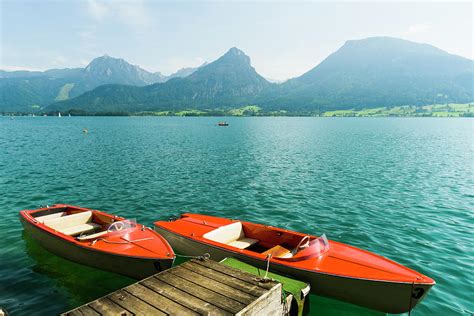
{"x":435,"y":110}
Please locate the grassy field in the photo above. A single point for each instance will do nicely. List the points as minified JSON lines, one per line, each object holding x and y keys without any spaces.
{"x":190,"y":113}
{"x":64,"y":92}
{"x":248,"y":110}
{"x":434,"y":110}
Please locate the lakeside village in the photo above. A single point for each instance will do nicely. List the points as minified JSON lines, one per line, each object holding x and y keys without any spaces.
{"x":435,"y":110}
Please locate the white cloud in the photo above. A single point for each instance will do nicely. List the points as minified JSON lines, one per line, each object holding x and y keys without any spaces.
{"x":130,"y":12}
{"x":86,"y":35}
{"x":59,"y":61}
{"x":200,"y":60}
{"x":89,"y":44}
{"x":97,"y":9}
{"x":417,"y":28}
{"x":17,"y":68}
{"x":134,"y":14}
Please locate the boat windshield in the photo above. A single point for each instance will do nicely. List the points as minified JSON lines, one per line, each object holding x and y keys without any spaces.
{"x":122,"y":225}
{"x":320,"y":245}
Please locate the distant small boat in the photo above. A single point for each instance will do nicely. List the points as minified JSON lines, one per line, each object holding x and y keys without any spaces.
{"x":222,"y":124}
{"x":98,"y":239}
{"x":69,"y":115}
{"x":59,"y":114}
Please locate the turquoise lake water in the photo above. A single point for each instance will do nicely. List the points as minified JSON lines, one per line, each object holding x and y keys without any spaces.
{"x":400,"y":187}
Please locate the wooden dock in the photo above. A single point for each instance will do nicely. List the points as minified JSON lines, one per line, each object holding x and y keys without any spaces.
{"x":193,"y":288}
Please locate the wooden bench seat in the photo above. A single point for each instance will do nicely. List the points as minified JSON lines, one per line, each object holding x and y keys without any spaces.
{"x":79,"y":229}
{"x":279,"y":252}
{"x":41,"y":219}
{"x":73,"y":224}
{"x":232,"y":235}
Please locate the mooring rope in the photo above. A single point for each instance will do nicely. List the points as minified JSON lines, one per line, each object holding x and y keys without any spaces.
{"x":286,"y":308}
{"x":265,"y":277}
{"x":203,"y":257}
{"x":268,"y":266}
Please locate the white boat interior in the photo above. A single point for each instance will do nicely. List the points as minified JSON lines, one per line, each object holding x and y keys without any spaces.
{"x":232,"y":235}
{"x":72,"y":225}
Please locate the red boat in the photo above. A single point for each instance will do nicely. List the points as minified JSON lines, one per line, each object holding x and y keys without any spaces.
{"x":333,"y":269}
{"x":98,"y":239}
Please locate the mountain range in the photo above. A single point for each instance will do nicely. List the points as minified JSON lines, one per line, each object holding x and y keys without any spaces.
{"x":367,"y":73}
{"x":378,"y":71}
{"x":27,"y":90}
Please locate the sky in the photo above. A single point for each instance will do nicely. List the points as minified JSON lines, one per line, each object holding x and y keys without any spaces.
{"x":283,"y":39}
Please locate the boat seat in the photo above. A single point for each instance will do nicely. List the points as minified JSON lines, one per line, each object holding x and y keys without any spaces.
{"x":286,"y":255}
{"x":279,"y":252}
{"x":73,"y":224}
{"x":243,"y":243}
{"x":79,"y":229}
{"x":92,"y":236}
{"x":232,"y":235}
{"x":41,"y":219}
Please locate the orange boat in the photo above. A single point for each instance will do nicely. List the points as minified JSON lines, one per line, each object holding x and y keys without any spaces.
{"x":98,"y":239}
{"x":333,"y":269}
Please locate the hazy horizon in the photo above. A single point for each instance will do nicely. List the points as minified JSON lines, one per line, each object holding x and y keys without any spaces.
{"x":283,"y":40}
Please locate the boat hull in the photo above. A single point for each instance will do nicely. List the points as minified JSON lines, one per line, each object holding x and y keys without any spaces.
{"x":137,"y":268}
{"x":384,"y":296}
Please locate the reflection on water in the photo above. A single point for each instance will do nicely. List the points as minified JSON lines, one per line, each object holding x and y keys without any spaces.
{"x":80,"y":282}
{"x":400,"y":187}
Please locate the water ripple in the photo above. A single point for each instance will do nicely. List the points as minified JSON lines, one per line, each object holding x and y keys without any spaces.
{"x":402,"y":188}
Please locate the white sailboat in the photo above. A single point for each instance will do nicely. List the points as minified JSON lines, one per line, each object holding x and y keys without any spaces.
{"x":59,"y":114}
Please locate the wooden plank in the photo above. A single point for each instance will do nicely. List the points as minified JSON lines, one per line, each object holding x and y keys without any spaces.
{"x":84,"y":310}
{"x":133,"y":304}
{"x":268,"y":304}
{"x":157,"y":300}
{"x":190,"y":301}
{"x":276,"y":251}
{"x":216,"y":299}
{"x":250,"y":288}
{"x":195,"y":287}
{"x":107,"y":307}
{"x":213,"y":285}
{"x":244,"y":276}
